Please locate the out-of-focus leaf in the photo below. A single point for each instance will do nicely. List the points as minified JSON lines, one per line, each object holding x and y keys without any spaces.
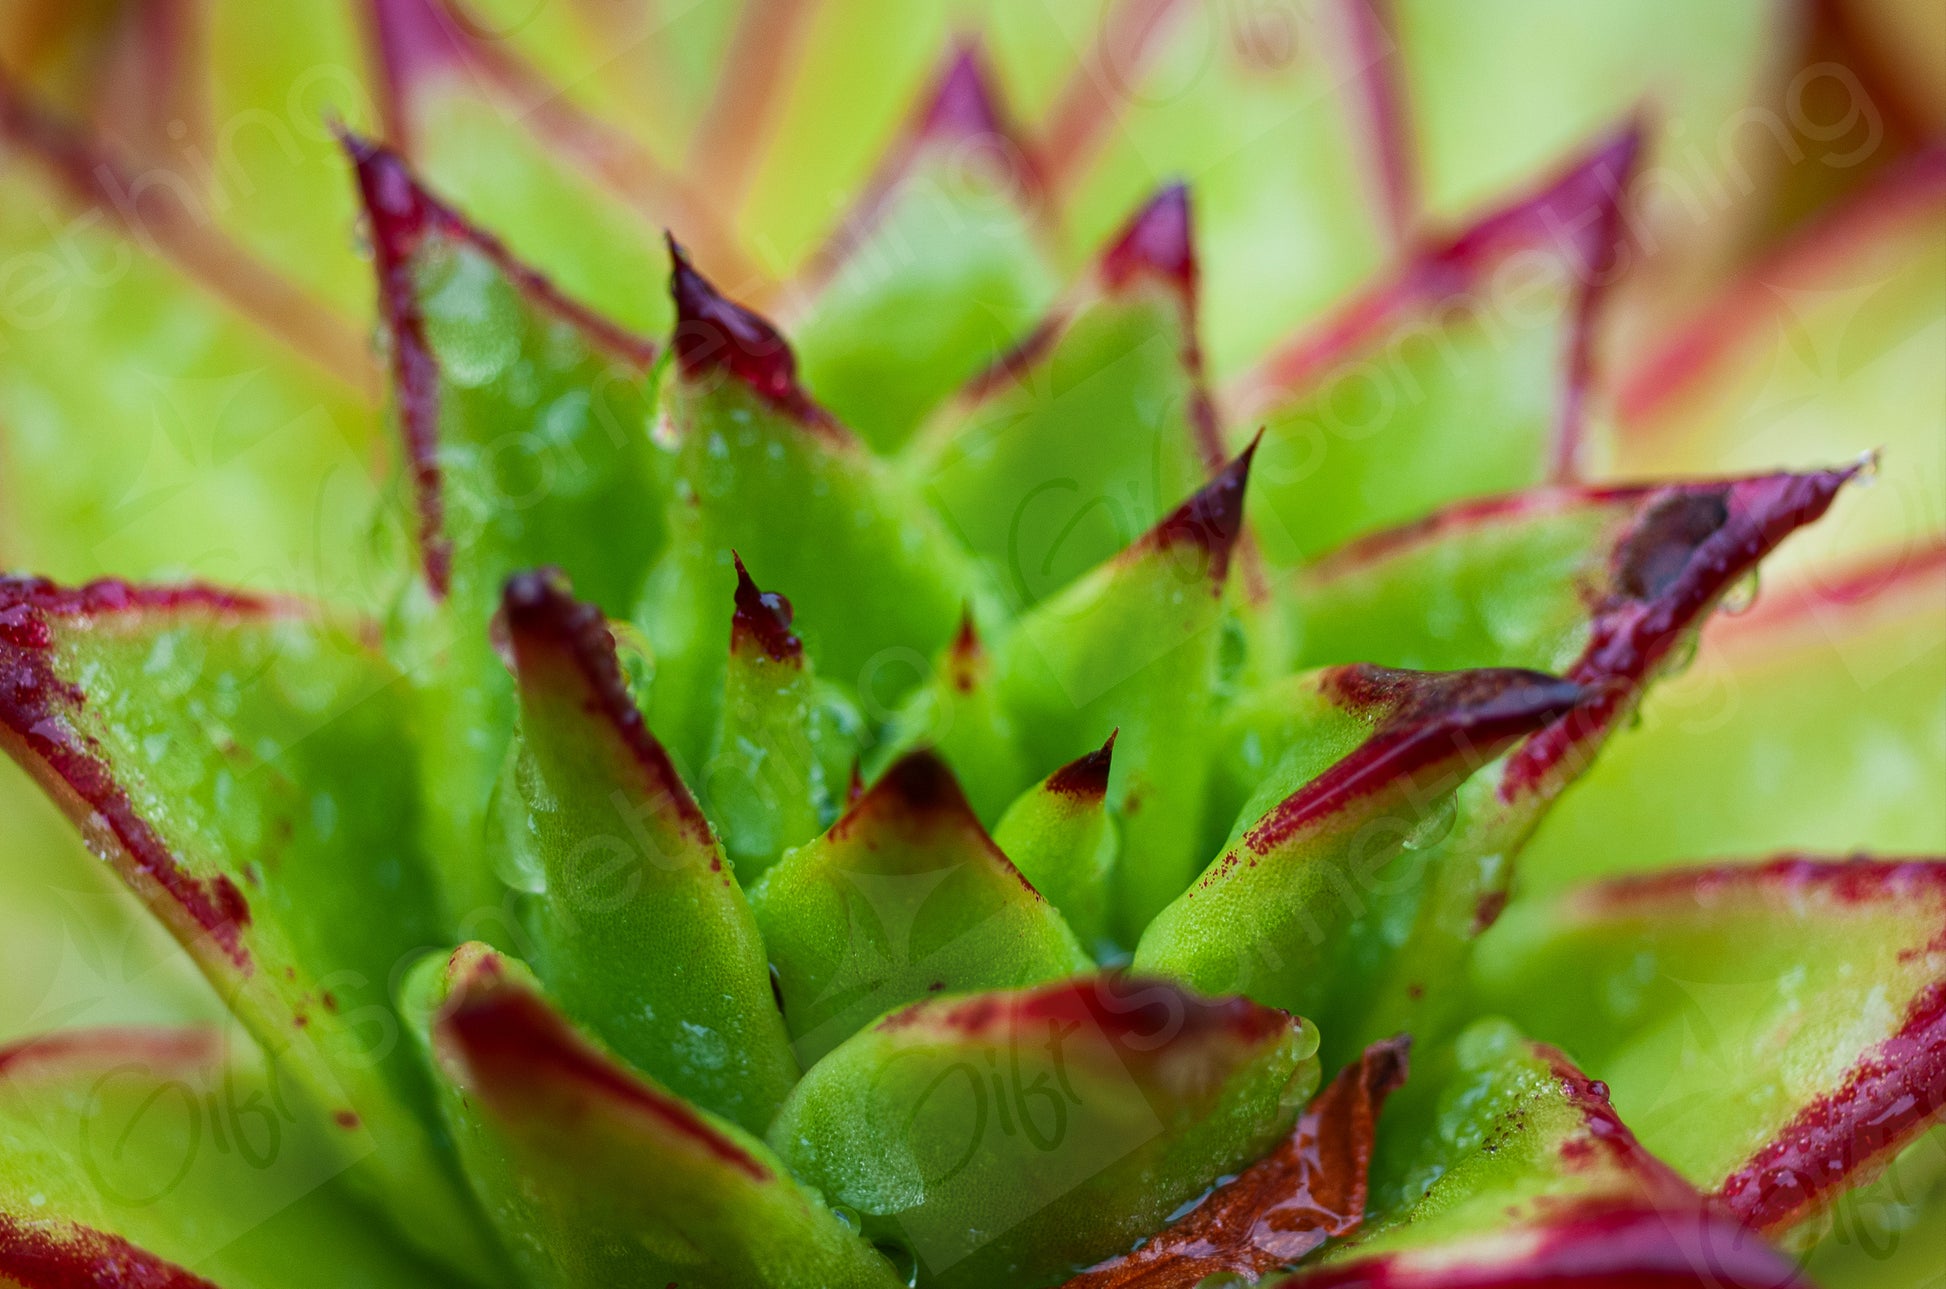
{"x":173,"y":1142}
{"x":600,"y":1178}
{"x":1003,"y":1138}
{"x":242,"y":766}
{"x":906,"y":895}
{"x":1775,"y":1032}
{"x":1461,"y":375}
{"x":1071,"y":446}
{"x":641,"y":931}
{"x":935,"y":273}
{"x":960,"y":714}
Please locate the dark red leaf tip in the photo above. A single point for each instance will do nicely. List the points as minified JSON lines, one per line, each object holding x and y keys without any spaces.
{"x":513,"y":1046}
{"x":1212,"y":520}
{"x":550,"y":632}
{"x":919,"y":783}
{"x":1146,"y":1020}
{"x":762,"y":620}
{"x":1086,"y":776}
{"x":1424,"y":721}
{"x":963,"y":104}
{"x":1157,"y":242}
{"x":715,"y":335}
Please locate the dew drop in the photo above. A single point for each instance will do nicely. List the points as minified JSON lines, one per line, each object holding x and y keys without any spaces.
{"x":1742,"y":595}
{"x":848,"y":1218}
{"x":1434,"y":825}
{"x":1682,"y":654}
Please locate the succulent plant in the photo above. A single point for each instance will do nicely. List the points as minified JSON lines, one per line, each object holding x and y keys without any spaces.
{"x":874,"y":767}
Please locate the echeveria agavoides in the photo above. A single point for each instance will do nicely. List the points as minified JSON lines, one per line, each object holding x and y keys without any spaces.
{"x":775,"y":645}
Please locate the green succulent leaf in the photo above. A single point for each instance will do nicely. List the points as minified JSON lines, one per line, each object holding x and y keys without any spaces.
{"x":1003,"y":1138}
{"x":1312,"y":1188}
{"x":1328,"y":860}
{"x":773,"y":476}
{"x":1504,"y":1165}
{"x":237,"y":762}
{"x":1850,"y":675}
{"x":775,"y":777}
{"x":526,"y":422}
{"x":1059,"y":835}
{"x":132,"y":1154}
{"x":1464,"y":375}
{"x":1070,"y":447}
{"x":640,"y":930}
{"x":940,"y":252}
{"x":906,"y":895}
{"x":598,"y":1176}
{"x":1849,"y":951}
{"x":960,"y":713}
{"x":1136,"y":645}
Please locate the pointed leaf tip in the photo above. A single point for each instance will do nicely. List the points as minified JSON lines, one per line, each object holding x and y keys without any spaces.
{"x":715,"y":334}
{"x":1691,"y":543}
{"x":762,"y":619}
{"x":1158,"y":241}
{"x":1212,"y":519}
{"x":963,"y":103}
{"x":1087,"y":775}
{"x":1428,"y":719}
{"x":919,"y":783}
{"x":554,"y":633}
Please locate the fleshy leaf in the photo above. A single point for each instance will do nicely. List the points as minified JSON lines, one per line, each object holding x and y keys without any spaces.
{"x":1070,"y":447}
{"x":775,"y":776}
{"x":128,"y":1147}
{"x":771,"y":474}
{"x":1059,"y":835}
{"x":1135,"y":645}
{"x":224,"y":438}
{"x":905,"y":895}
{"x":1503,"y":1165}
{"x":1079,"y":441}
{"x":641,"y":931}
{"x":1001,"y":1138}
{"x":240,"y":765}
{"x":1824,"y":350}
{"x":1310,"y":1189}
{"x":959,"y":713}
{"x":1290,"y":223}
{"x":1851,"y":677}
{"x":598,"y":1176}
{"x":1448,"y":380}
{"x":935,"y":272}
{"x":526,"y":431}
{"x":1328,"y":860}
{"x":1775,"y":1032}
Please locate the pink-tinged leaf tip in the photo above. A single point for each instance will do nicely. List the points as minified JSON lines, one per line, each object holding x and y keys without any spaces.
{"x":1150,"y":1020}
{"x":762,"y":620}
{"x":1158,"y":242}
{"x":516,"y":1049}
{"x":714,"y":334}
{"x":1086,"y":776}
{"x":963,"y":104}
{"x":1211,"y":520}
{"x":919,"y":783}
{"x":552,"y":633}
